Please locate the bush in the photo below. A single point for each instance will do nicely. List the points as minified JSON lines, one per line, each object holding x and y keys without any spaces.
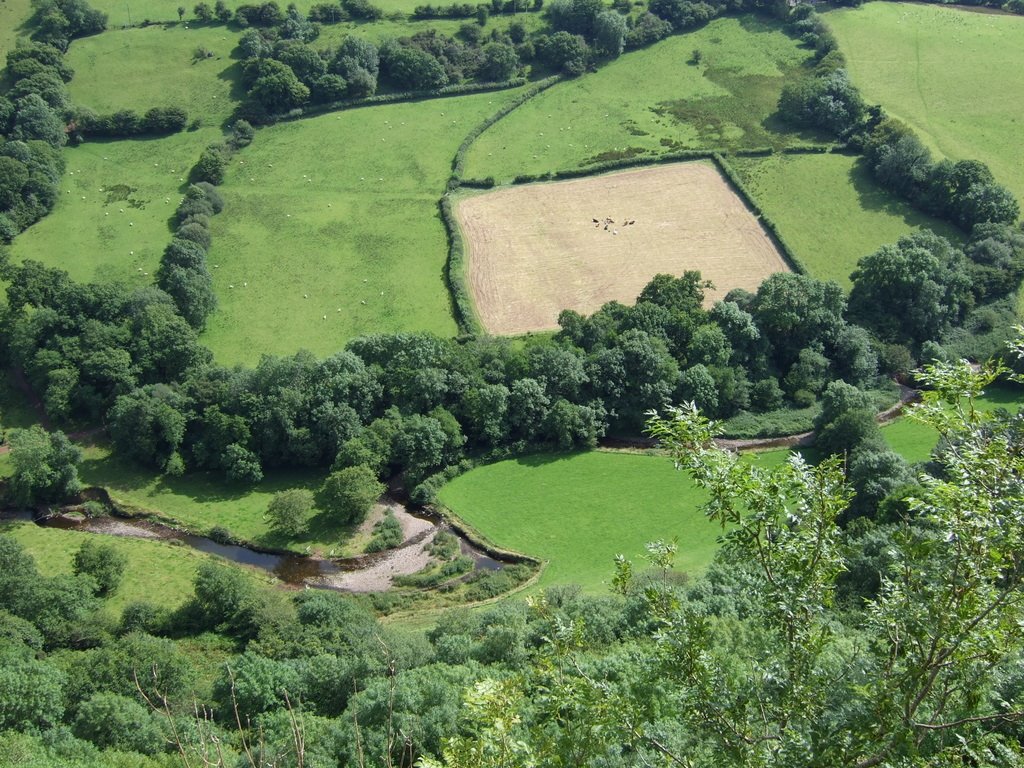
{"x":242,"y":134}
{"x":445,"y":546}
{"x":437,"y":574}
{"x":195,"y":233}
{"x":194,"y":207}
{"x":647,"y":30}
{"x":387,"y":534}
{"x":103,"y":562}
{"x":488,"y":584}
{"x":207,"y":191}
{"x":241,"y":464}
{"x":163,"y":120}
{"x":211,"y":166}
{"x":112,"y":721}
{"x":142,"y":616}
{"x":362,"y":9}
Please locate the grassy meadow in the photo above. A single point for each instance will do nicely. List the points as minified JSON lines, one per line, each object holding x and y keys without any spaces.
{"x":13,"y":15}
{"x":158,"y":572}
{"x":652,"y":101}
{"x":112,"y":220}
{"x":341,"y":209}
{"x":829,"y":210}
{"x":202,"y":500}
{"x":956,"y":76}
{"x":537,"y":505}
{"x":154,"y":67}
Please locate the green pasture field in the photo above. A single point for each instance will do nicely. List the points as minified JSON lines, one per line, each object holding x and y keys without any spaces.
{"x":154,"y":67}
{"x":158,"y":572}
{"x":653,"y":101}
{"x":87,"y":233}
{"x":13,"y":15}
{"x":580,"y":510}
{"x":123,"y":13}
{"x":341,"y":208}
{"x":830,"y":211}
{"x":954,"y":75}
{"x":202,"y":500}
{"x":915,"y":441}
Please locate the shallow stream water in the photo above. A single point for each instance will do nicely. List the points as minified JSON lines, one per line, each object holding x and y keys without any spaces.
{"x":290,"y":568}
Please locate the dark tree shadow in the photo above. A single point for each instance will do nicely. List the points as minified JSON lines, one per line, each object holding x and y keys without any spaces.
{"x":873,"y":197}
{"x":547,"y":458}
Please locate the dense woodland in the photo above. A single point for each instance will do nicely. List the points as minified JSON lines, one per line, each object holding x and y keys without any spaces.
{"x":861,"y":611}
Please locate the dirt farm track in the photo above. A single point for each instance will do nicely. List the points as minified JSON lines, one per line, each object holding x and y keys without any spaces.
{"x":538,"y":249}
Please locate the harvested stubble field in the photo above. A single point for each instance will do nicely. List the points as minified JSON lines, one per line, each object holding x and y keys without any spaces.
{"x":536,"y":250}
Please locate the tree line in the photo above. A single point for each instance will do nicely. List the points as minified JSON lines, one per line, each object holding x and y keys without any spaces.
{"x":283,"y":72}
{"x":415,"y":404}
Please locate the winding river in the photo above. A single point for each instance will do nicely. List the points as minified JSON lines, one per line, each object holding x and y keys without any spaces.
{"x":364,"y":573}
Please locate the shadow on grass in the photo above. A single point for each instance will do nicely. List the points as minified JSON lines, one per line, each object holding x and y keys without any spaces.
{"x":16,"y":410}
{"x":873,"y":197}
{"x":753,"y":23}
{"x":233,"y":74}
{"x":547,"y":458}
{"x":200,"y":487}
{"x":323,"y":527}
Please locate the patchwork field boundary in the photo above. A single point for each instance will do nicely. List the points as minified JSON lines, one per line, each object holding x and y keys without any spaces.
{"x":458,"y":162}
{"x":466,"y":89}
{"x":516,"y":280}
{"x":466,"y":316}
{"x":464,"y":312}
{"x":740,"y":189}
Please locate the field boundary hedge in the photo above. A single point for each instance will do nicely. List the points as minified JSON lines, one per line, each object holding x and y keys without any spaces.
{"x":455,"y":272}
{"x":458,"y":162}
{"x":312,"y":110}
{"x":744,"y":193}
{"x":455,"y":266}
